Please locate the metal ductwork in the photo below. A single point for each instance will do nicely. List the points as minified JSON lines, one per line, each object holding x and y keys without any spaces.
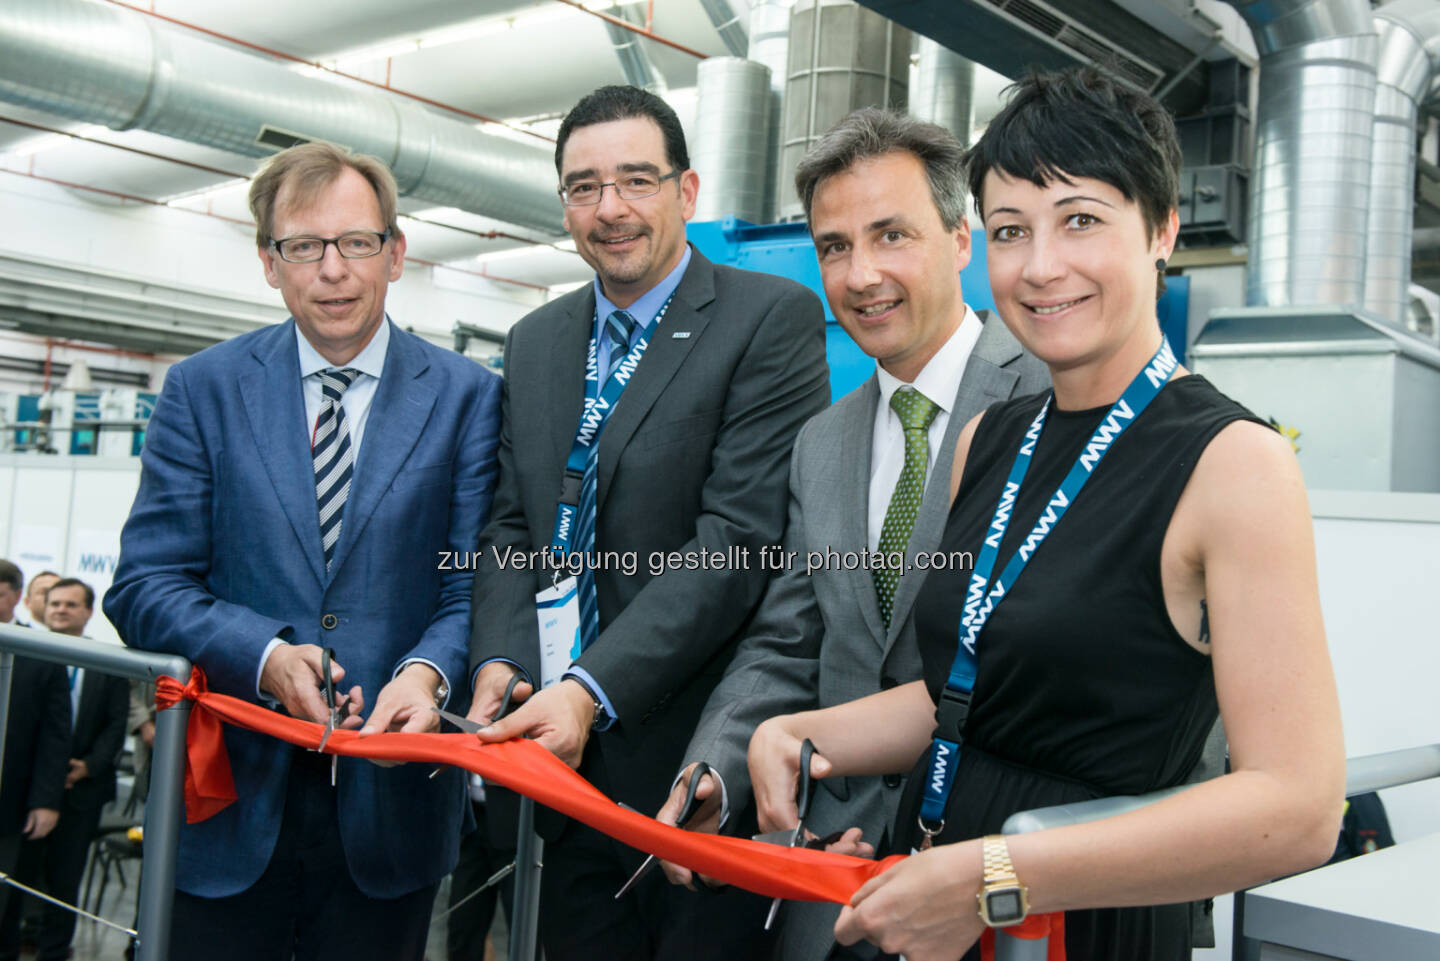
{"x":634,"y":61}
{"x":1311,"y":183}
{"x":842,"y":57}
{"x":731,"y":148}
{"x":944,"y":91}
{"x":103,"y":64}
{"x":1409,"y":32}
{"x":770,"y":45}
{"x":728,"y":25}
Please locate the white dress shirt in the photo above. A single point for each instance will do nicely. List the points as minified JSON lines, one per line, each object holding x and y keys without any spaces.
{"x":939,"y":380}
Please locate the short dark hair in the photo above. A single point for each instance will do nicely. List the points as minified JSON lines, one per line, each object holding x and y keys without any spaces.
{"x":10,"y":574}
{"x":874,"y":132}
{"x":75,"y":582}
{"x":620,"y":102}
{"x":1080,"y":122}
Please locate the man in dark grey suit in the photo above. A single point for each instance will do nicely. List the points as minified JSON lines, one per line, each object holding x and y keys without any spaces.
{"x":885,"y":197}
{"x":663,"y":516}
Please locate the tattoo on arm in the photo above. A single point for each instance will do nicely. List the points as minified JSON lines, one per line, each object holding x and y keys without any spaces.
{"x":1204,"y":624}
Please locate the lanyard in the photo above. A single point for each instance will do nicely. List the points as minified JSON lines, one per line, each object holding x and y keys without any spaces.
{"x":981,"y":596}
{"x":599,"y":402}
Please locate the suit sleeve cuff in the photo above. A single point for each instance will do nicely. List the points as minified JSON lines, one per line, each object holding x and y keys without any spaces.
{"x":263,"y":696}
{"x":584,"y":677}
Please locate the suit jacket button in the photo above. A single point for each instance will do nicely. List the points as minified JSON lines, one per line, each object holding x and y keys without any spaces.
{"x":892,"y":780}
{"x":887,"y":682}
{"x":329,"y":621}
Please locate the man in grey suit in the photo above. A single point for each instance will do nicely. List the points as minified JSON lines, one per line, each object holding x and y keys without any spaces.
{"x":663,"y":516}
{"x":884,"y":194}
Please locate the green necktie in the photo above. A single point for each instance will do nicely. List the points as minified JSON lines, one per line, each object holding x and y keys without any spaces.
{"x":915,"y":411}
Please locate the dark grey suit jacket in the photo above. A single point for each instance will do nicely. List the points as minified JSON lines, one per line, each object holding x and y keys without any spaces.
{"x":693,"y":458}
{"x":818,"y":639}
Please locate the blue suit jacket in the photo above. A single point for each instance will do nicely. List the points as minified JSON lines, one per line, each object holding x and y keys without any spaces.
{"x":222,"y":553}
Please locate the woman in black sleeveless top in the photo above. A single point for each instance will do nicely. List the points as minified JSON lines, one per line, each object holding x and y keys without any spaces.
{"x":1185,"y":568}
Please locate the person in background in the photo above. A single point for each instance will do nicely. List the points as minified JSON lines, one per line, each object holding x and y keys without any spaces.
{"x":99,"y":703}
{"x":35,"y":596}
{"x":11,"y":580}
{"x":1143,"y":556}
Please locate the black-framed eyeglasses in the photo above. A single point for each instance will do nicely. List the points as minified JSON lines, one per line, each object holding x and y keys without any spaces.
{"x":634,"y":186}
{"x":352,"y":246}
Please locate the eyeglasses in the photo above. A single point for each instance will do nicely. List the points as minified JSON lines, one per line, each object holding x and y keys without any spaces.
{"x":635,"y":186}
{"x":352,"y":246}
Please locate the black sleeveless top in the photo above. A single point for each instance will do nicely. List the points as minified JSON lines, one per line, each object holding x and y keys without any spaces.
{"x":1084,"y":688}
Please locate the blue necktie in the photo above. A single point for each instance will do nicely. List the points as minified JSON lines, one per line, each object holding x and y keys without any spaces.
{"x":619,"y":327}
{"x":334,"y":458}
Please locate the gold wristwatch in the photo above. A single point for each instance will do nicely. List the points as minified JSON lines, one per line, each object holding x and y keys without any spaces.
{"x":1003,"y":899}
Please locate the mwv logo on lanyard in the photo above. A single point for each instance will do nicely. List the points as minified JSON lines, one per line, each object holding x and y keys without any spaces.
{"x":600,"y":400}
{"x":982,"y":596}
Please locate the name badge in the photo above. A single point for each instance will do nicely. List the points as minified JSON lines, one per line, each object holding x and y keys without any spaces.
{"x":558,"y":611}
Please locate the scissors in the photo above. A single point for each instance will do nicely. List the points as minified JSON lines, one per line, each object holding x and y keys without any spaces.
{"x":337,"y":711}
{"x":795,"y":837}
{"x":471,"y":727}
{"x":692,"y":805}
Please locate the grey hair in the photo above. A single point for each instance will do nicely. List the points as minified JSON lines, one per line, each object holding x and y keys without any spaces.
{"x":874,"y":132}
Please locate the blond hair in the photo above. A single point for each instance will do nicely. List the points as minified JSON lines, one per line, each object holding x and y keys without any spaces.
{"x":311,"y":167}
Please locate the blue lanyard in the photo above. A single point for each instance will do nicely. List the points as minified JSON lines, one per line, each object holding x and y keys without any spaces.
{"x":599,"y":402}
{"x":981,"y":596}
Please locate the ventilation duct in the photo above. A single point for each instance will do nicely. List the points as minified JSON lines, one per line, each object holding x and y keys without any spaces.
{"x":842,"y":57}
{"x":634,"y":61}
{"x":732,"y":149}
{"x":770,"y":45}
{"x":727,"y":24}
{"x":944,"y":91}
{"x":1311,"y":183}
{"x":1409,"y":32}
{"x":103,"y":64}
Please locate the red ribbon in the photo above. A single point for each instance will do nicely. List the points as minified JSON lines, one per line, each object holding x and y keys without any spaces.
{"x":795,"y":874}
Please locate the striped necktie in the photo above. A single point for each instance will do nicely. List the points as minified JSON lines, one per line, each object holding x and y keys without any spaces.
{"x":334,"y":457}
{"x":619,"y":328}
{"x":915,"y":411}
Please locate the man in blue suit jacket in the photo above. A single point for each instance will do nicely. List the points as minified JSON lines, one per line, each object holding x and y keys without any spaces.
{"x":300,"y":487}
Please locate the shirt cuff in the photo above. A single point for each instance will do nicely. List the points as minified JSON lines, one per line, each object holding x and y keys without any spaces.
{"x":444,"y":679}
{"x":260,"y":695}
{"x":584,"y":677}
{"x":524,"y":674}
{"x":724,"y":795}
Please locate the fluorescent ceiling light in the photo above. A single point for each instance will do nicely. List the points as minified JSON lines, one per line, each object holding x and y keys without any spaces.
{"x":458,"y":33}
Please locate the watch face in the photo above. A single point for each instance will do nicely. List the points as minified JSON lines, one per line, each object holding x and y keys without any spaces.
{"x":1004,"y":907}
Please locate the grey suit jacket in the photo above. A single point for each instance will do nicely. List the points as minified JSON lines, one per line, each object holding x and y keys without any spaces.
{"x":818,"y":639}
{"x":693,"y":458}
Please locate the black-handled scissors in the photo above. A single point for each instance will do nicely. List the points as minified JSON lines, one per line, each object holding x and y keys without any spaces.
{"x":692,"y":805}
{"x":471,"y":727}
{"x":794,"y":837}
{"x":337,"y":712}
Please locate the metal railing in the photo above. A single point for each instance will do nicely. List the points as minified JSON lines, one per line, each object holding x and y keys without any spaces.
{"x":1371,"y":772}
{"x":167,"y":761}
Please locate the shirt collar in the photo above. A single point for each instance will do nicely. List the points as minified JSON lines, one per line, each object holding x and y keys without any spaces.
{"x":650,"y":302}
{"x":939,"y":379}
{"x":370,"y":361}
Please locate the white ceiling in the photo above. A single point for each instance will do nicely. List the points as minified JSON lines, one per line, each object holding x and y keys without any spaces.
{"x":527,"y":62}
